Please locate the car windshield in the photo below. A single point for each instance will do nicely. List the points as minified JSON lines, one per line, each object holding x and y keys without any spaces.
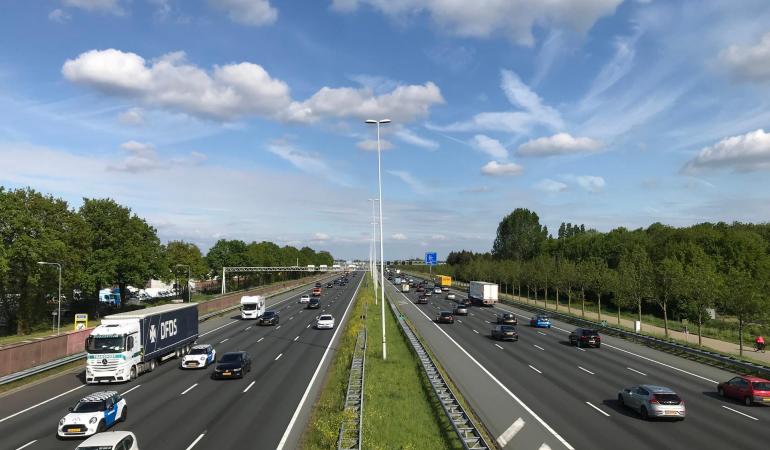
{"x":446,"y":313}
{"x":230,"y":358}
{"x":268,"y":314}
{"x":95,"y":447}
{"x":198,"y":351}
{"x":249,"y":306}
{"x":105,"y":344}
{"x":590,"y":332}
{"x":507,"y":328}
{"x":88,"y":407}
{"x":761,"y":385}
{"x":325,"y":318}
{"x":507,"y":316}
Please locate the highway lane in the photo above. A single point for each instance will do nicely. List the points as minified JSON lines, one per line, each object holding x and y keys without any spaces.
{"x":559,"y":382}
{"x":170,"y":408}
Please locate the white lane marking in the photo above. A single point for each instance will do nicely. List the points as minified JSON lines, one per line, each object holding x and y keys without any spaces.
{"x":594,"y":407}
{"x":544,"y":447}
{"x":308,"y":326}
{"x":295,"y":339}
{"x":498,"y":382}
{"x":472,"y":314}
{"x":537,"y":346}
{"x":130,"y":389}
{"x":278,"y":357}
{"x":535,"y":369}
{"x":260,"y":340}
{"x":291,"y":318}
{"x":293,"y":420}
{"x":195,"y":441}
{"x":249,"y":386}
{"x":189,"y":389}
{"x":508,"y":434}
{"x":736,"y":411}
{"x":278,"y":327}
{"x":248,"y":328}
{"x":41,"y":403}
{"x":586,"y":370}
{"x":604,"y":344}
{"x":459,"y":321}
{"x":487,"y":321}
{"x":540,"y":332}
{"x":475,"y":331}
{"x":498,"y":346}
{"x":581,"y":349}
{"x":27,"y":444}
{"x":219,"y":328}
{"x":634,"y":370}
{"x":224,"y":340}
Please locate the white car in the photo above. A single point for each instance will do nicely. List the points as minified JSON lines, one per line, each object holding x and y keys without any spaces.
{"x":305,"y":298}
{"x":200,"y":357}
{"x":436,"y":290}
{"x":324,"y":322}
{"x":114,"y":440}
{"x":93,"y":414}
{"x":450,"y":296}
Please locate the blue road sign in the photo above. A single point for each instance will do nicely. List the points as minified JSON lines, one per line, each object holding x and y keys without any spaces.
{"x":430,"y":258}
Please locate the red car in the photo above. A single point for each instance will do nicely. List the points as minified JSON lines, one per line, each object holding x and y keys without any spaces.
{"x":445,"y":317}
{"x":746,"y":389}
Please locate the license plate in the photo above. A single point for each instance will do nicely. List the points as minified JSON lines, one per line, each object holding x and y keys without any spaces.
{"x":766,"y":399}
{"x":225,"y":373}
{"x":671,"y":413}
{"x":75,"y":430}
{"x":591,"y":341}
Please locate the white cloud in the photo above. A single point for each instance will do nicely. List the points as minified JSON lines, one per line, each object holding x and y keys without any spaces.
{"x":399,"y":237}
{"x":142,"y":157}
{"x":236,"y":90}
{"x":321,"y":237}
{"x":750,"y":63}
{"x":484,"y":18}
{"x":552,"y":186}
{"x":410,"y":180}
{"x":559,"y":144}
{"x":409,"y":136}
{"x":303,"y":161}
{"x":438,"y":237}
{"x":743,"y":153}
{"x":491,"y":147}
{"x":247,"y":12}
{"x":590,"y":183}
{"x":59,"y":15}
{"x":131,"y":116}
{"x":104,"y":6}
{"x":495,"y":168}
{"x":370,"y":145}
{"x":614,"y":70}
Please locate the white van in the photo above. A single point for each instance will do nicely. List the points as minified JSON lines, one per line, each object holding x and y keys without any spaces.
{"x":252,"y":306}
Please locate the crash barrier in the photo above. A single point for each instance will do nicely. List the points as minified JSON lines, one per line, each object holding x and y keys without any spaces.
{"x":352,"y":422}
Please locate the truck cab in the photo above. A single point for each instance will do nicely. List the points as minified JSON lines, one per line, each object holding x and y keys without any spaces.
{"x":252,"y":307}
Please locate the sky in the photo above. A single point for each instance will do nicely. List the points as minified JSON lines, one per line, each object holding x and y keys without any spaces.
{"x":244,"y":119}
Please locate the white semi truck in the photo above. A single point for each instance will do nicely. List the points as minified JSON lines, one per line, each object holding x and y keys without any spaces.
{"x":127,"y":344}
{"x":252,"y":306}
{"x":482,"y":293}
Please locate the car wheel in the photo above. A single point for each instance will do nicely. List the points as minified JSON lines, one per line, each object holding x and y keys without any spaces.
{"x":721,"y":392}
{"x":621,"y":401}
{"x":124,"y":414}
{"x":747,"y":401}
{"x":644,"y":414}
{"x":132,"y":373}
{"x":579,"y":344}
{"x":100,"y":427}
{"x":598,"y":345}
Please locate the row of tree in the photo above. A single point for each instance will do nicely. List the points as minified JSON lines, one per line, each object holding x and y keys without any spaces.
{"x":101,"y":244}
{"x":659,"y":269}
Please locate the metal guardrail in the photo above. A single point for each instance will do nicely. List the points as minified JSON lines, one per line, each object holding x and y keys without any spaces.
{"x":352,"y":423}
{"x":463,"y":425}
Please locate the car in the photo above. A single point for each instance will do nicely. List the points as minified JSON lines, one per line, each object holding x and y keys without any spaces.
{"x":232,"y":365}
{"x":450,"y":296}
{"x":436,"y":290}
{"x":445,"y":288}
{"x":93,"y":414}
{"x":653,"y":401}
{"x":329,"y":285}
{"x":445,"y":317}
{"x":305,"y":298}
{"x":461,"y":310}
{"x":324,"y":322}
{"x":428,"y":293}
{"x":114,"y":440}
{"x":583,"y":337}
{"x":318,"y":284}
{"x":199,"y":357}
{"x":422,"y":300}
{"x":314,"y":303}
{"x":270,"y":318}
{"x":317,"y":291}
{"x":746,"y":389}
{"x":507,"y":318}
{"x":504,"y":333}
{"x":420,"y":288}
{"x":540,"y":321}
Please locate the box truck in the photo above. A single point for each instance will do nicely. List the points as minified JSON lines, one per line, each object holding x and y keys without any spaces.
{"x":252,"y":306}
{"x":444,"y":281}
{"x":482,"y":293}
{"x":127,"y":344}
{"x":405,"y":287}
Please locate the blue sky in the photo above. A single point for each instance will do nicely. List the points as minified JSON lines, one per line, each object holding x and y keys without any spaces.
{"x":244,"y":118}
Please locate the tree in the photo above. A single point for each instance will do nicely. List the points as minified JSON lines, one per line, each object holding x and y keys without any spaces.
{"x":227,"y":253}
{"x":701,"y":285}
{"x":635,"y":277}
{"x":583,"y":282}
{"x":519,"y":236}
{"x":599,"y":280}
{"x":746,"y":298}
{"x":669,"y":274}
{"x":568,"y":279}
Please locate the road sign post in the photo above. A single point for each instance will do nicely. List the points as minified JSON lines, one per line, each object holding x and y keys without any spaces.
{"x":430,"y":260}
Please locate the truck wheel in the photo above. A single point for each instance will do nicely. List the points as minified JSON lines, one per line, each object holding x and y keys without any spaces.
{"x":132,"y":373}
{"x":153,"y":364}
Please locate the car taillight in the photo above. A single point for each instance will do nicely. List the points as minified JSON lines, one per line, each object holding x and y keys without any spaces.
{"x":654,"y":400}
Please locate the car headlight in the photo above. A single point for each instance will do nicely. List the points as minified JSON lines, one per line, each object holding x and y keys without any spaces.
{"x":203,"y":359}
{"x":119,"y":371}
{"x":237,"y":370}
{"x":61,"y":422}
{"x":92,"y":420}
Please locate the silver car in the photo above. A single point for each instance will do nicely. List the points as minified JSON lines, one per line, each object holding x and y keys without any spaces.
{"x":653,"y":402}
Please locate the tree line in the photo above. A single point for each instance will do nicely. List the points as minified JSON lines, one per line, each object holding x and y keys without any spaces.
{"x":680,"y":272}
{"x":102,"y":244}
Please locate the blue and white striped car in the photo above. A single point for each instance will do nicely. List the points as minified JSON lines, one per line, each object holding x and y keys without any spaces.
{"x":200,"y":356}
{"x":93,"y":414}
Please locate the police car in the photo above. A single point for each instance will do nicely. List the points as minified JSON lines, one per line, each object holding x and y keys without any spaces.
{"x":199,"y":357}
{"x":93,"y":414}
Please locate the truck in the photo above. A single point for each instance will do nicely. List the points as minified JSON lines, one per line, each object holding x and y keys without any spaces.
{"x":444,"y":281}
{"x":405,"y":287}
{"x":311,"y":267}
{"x":482,"y":293}
{"x":128,"y":344}
{"x":252,"y":307}
{"x":110,"y":296}
{"x":397,"y":280}
{"x":336,"y":267}
{"x":323,"y":267}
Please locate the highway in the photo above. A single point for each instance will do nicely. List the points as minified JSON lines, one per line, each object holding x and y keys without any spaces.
{"x":172,"y":408}
{"x":574,"y":390}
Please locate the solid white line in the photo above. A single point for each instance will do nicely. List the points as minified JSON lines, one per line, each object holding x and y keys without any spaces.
{"x":195,"y":441}
{"x":295,"y":339}
{"x":224,"y":340}
{"x":594,"y":407}
{"x":130,"y":389}
{"x":586,"y":370}
{"x":260,"y":340}
{"x":540,"y":332}
{"x":537,"y":346}
{"x":634,"y":370}
{"x":249,"y":386}
{"x":189,"y":389}
{"x":498,"y":346}
{"x":27,"y":444}
{"x":475,"y":331}
{"x":604,"y":344}
{"x":508,"y":434}
{"x":41,"y":403}
{"x":248,"y":328}
{"x":293,"y":420}
{"x":535,"y":369}
{"x":736,"y":411}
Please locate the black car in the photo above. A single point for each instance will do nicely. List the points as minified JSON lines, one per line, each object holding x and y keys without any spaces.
{"x":314,"y":303}
{"x":583,"y":337}
{"x":232,"y":365}
{"x":318,"y":284}
{"x":445,"y":317}
{"x":422,"y":300}
{"x":506,"y":318}
{"x":505,"y":333}
{"x":269,"y":318}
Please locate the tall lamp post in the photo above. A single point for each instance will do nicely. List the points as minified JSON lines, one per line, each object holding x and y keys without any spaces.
{"x":382,"y":250}
{"x":58,"y":314}
{"x":373,"y":249}
{"x":188,"y":279}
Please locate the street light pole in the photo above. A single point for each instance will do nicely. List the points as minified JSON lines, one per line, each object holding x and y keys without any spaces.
{"x":374,"y":249}
{"x":58,"y":314}
{"x":189,"y":299}
{"x":382,"y":249}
